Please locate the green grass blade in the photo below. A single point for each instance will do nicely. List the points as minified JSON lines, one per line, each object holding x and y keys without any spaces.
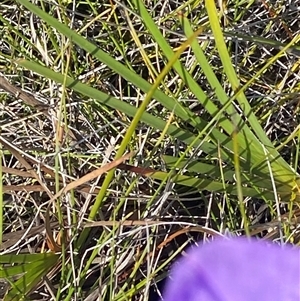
{"x":280,"y":169}
{"x":25,"y":258}
{"x":33,"y":272}
{"x":202,"y":183}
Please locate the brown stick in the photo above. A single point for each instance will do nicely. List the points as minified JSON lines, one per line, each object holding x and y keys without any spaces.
{"x":24,"y":96}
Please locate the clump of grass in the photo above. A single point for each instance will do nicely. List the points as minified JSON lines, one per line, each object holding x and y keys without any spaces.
{"x":202,"y":95}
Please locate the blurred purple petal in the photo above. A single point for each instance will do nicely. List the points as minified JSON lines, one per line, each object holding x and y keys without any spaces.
{"x":236,"y":270}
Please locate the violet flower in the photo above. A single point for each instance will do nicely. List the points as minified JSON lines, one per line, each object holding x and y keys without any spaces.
{"x":236,"y":269}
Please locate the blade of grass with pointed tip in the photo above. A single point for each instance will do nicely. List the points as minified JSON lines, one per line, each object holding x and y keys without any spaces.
{"x":282,"y":171}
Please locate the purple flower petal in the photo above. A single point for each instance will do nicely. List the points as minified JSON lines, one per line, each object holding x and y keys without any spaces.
{"x":236,"y":269}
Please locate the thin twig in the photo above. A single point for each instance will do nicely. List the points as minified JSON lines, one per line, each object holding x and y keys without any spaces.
{"x":24,"y":96}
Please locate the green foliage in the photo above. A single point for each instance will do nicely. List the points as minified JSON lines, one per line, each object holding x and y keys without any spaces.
{"x":237,"y":160}
{"x":259,"y":161}
{"x":24,"y":272}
